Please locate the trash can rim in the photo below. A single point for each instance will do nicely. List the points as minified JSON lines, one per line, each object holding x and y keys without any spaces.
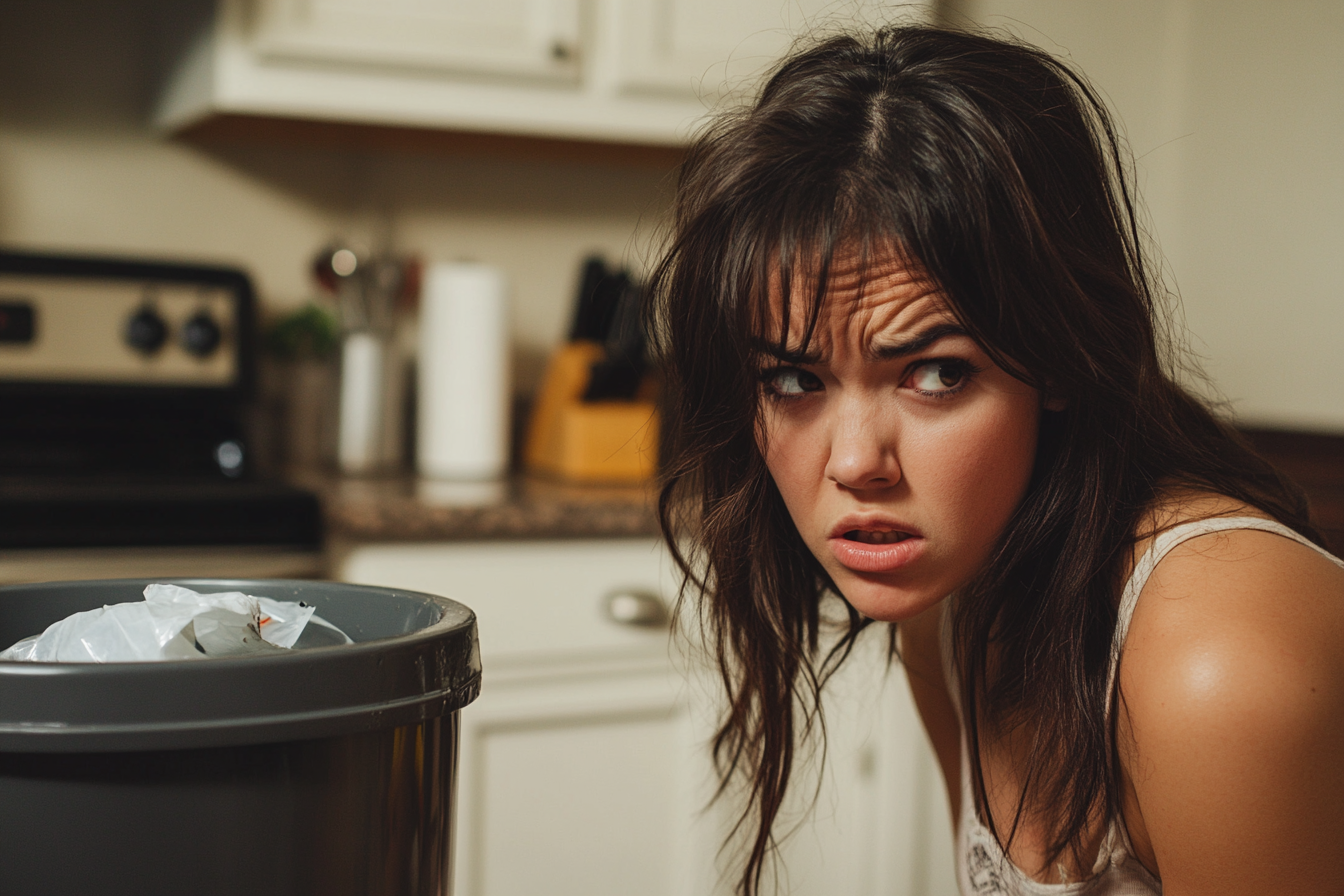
{"x":428,"y":671}
{"x":451,"y":613}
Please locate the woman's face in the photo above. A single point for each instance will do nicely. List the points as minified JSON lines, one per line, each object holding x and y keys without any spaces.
{"x":899,"y":447}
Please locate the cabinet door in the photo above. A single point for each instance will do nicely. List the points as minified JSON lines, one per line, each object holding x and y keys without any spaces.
{"x":584,"y":766}
{"x":708,"y":47}
{"x":530,"y":38}
{"x":583,"y":786}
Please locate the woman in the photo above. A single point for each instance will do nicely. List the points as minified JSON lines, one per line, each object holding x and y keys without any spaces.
{"x":916,"y":364}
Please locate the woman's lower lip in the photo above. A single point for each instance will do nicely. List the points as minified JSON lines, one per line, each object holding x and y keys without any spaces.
{"x":861,"y":557}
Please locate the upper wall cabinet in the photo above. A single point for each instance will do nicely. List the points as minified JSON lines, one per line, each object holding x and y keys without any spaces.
{"x":706,"y":48}
{"x":624,"y":71}
{"x":525,"y":38}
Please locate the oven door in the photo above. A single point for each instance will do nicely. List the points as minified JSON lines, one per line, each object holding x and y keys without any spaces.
{"x":146,"y":526}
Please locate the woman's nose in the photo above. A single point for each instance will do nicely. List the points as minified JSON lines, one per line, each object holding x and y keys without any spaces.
{"x":863,"y":454}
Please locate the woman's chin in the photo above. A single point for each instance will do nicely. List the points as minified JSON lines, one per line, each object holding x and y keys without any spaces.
{"x":884,"y":602}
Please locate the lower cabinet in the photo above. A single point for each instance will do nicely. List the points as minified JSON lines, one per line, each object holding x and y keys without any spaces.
{"x":585,"y":765}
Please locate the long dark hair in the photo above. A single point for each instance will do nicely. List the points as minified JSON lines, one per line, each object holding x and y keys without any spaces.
{"x":996,"y":168}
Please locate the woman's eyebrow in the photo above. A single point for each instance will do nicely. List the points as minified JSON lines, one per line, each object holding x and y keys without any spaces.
{"x":916,"y":343}
{"x":785,"y":355}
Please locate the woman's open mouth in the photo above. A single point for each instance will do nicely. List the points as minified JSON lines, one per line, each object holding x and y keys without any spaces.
{"x":876,"y":549}
{"x":876,"y":537}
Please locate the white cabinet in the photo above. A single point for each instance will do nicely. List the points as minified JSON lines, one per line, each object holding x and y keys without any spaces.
{"x":709,"y":47}
{"x":628,"y":71}
{"x":583,"y":768}
{"x":585,"y":763}
{"x":581,"y":781}
{"x":527,"y":38}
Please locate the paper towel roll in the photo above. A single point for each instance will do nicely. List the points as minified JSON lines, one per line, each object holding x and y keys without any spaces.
{"x":463,"y":403}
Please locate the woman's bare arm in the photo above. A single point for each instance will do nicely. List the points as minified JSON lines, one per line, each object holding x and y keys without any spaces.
{"x":1231,"y":727}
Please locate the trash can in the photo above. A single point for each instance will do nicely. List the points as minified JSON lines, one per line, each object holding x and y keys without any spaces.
{"x":323,"y":769}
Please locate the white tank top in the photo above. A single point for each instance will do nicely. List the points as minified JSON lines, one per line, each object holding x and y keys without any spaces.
{"x":982,"y":867}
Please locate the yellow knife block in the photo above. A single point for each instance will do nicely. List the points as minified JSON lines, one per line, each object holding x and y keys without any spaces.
{"x":599,"y":441}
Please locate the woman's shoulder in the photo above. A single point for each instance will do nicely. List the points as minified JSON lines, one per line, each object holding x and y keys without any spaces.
{"x":1232,"y":702}
{"x":1222,"y":574}
{"x":1239,"y":601}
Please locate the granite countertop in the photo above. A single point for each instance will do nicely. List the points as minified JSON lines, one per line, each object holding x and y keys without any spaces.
{"x":403,"y":508}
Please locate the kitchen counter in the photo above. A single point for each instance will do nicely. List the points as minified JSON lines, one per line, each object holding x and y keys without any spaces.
{"x":404,"y":508}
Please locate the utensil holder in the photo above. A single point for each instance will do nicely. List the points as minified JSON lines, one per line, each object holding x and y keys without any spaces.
{"x":601,"y":441}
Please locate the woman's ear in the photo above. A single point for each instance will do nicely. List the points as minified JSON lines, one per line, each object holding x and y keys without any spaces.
{"x":1054,"y":403}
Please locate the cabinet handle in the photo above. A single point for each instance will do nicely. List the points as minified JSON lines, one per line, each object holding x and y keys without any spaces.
{"x":639,"y":608}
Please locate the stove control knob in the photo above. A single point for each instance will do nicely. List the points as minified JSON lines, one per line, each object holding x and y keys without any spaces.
{"x":146,"y":332}
{"x":201,"y":335}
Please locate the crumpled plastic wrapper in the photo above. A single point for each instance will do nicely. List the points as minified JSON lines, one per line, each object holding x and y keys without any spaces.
{"x":173,"y":623}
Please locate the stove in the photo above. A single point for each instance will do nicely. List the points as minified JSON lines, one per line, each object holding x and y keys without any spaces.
{"x":123,"y":450}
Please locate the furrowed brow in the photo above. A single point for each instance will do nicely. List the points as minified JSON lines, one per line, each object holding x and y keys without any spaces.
{"x":784,"y":355}
{"x":917,"y":343}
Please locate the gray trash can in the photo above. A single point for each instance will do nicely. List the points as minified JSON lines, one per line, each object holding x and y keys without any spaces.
{"x":323,"y":770}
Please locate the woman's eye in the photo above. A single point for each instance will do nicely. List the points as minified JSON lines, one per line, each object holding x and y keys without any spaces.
{"x":940,"y":377}
{"x":790,"y":381}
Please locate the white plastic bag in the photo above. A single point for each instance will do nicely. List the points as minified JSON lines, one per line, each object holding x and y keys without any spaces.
{"x":171,"y":623}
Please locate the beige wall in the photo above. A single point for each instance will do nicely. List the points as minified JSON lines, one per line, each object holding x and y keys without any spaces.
{"x":1235,"y":112}
{"x":81,"y":171}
